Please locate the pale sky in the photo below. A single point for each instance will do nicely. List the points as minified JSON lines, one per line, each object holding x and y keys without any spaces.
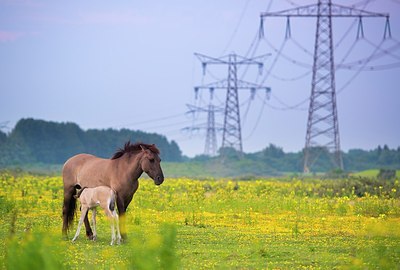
{"x":131,"y":64}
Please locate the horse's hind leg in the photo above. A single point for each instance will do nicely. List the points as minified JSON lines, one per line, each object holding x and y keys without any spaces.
{"x":117,"y":225}
{"x":89,"y":232}
{"x":121,"y":210}
{"x":112,"y":221}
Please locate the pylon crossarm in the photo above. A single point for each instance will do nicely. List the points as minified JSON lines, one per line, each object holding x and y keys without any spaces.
{"x":193,"y":108}
{"x":240,"y":60}
{"x":223,"y":84}
{"x":313,"y":11}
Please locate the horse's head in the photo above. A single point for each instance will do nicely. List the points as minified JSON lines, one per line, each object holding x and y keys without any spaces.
{"x":150,"y":164}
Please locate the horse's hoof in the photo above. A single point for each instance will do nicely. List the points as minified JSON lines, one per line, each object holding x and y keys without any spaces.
{"x":94,"y":237}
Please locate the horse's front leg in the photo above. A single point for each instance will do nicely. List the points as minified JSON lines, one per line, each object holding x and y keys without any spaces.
{"x":89,"y":232}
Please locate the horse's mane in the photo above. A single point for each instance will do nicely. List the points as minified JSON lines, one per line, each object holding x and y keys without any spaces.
{"x":134,"y":148}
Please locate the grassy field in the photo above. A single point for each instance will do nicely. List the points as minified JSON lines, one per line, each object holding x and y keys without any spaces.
{"x":372,"y":173}
{"x":217,"y":224}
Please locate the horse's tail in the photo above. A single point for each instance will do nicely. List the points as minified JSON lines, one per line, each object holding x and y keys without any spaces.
{"x":69,"y":208}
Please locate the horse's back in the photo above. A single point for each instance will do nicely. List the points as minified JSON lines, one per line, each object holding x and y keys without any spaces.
{"x":74,"y":163}
{"x":73,"y":166}
{"x":83,"y":169}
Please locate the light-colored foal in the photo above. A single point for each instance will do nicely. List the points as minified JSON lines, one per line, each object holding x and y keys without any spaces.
{"x":90,"y":198}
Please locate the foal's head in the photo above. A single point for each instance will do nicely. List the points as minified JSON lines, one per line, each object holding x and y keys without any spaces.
{"x":150,"y":163}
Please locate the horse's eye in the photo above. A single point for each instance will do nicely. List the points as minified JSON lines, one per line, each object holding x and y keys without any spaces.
{"x":151,"y":160}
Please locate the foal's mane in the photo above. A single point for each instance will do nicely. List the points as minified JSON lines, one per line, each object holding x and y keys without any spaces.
{"x":134,"y":148}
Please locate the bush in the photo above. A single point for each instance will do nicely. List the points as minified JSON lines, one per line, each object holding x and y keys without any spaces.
{"x":156,"y":253}
{"x":386,"y":174}
{"x":32,"y":252}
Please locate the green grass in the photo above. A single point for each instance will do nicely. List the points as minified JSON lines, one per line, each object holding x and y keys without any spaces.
{"x":221,"y":224}
{"x":371,"y":173}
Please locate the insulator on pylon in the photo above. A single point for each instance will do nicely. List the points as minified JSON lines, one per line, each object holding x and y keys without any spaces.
{"x":387,"y":33}
{"x":261,"y":29}
{"x":288,"y":33}
{"x":260,"y":68}
{"x":360,"y":30}
{"x":267,"y":92}
{"x":252,"y":93}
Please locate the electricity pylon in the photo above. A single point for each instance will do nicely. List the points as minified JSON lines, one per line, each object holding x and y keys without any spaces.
{"x":211,"y":146}
{"x":231,"y":136}
{"x":322,"y":125}
{"x":4,"y":125}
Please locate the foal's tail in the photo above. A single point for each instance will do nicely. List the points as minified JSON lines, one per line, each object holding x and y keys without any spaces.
{"x":78,"y":194}
{"x":111,"y":205}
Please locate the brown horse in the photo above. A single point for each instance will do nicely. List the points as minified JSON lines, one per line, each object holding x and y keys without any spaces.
{"x":120,"y":173}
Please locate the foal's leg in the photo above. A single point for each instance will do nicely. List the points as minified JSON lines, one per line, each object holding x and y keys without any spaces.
{"x":83,"y":214}
{"x":94,"y":224}
{"x":111,"y":218}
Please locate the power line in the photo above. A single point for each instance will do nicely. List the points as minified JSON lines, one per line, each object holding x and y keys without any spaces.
{"x":257,"y":121}
{"x":378,"y":53}
{"x":291,"y":79}
{"x":346,"y":84}
{"x":237,"y":27}
{"x":150,"y":120}
{"x":286,"y":57}
{"x":290,"y":107}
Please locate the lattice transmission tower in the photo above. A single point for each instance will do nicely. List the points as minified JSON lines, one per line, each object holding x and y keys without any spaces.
{"x":211,"y":145}
{"x":231,"y":133}
{"x":322,"y":125}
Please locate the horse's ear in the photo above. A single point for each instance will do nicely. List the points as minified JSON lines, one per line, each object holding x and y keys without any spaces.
{"x":143,"y":148}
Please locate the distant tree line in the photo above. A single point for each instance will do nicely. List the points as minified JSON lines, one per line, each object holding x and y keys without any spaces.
{"x":353,"y":160}
{"x":272,"y":160}
{"x":38,"y":141}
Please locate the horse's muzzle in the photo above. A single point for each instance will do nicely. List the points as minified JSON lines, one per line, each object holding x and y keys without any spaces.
{"x":159,"y":180}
